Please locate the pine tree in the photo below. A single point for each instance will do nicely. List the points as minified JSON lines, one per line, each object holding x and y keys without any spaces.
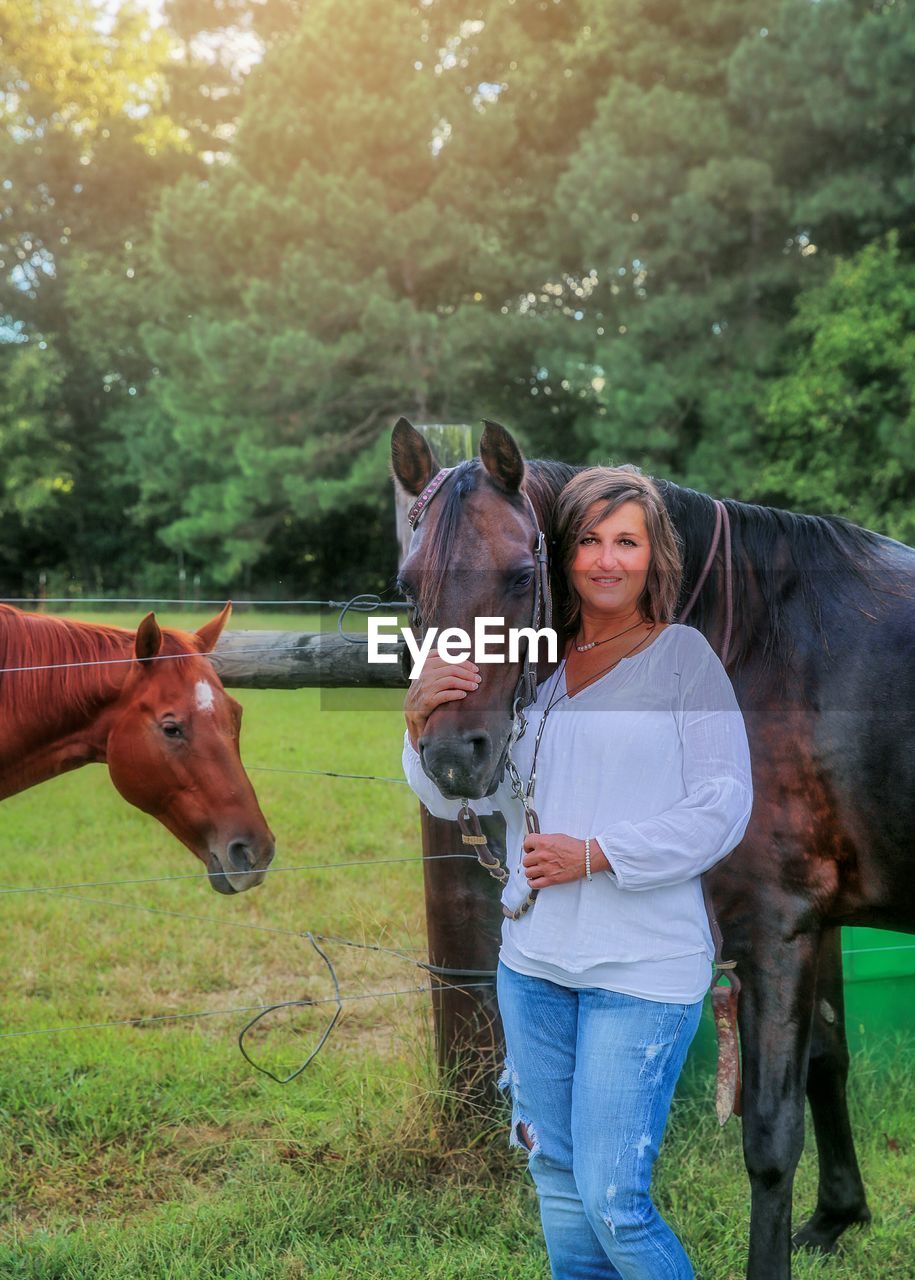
{"x":84,"y":151}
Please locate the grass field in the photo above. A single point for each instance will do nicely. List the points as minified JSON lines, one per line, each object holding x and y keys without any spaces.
{"x":156,"y":1151}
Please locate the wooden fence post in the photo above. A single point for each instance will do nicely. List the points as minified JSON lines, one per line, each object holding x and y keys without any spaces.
{"x":463,"y":927}
{"x":463,"y":915}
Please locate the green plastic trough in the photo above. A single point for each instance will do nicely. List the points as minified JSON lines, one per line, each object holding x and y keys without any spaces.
{"x":879,"y":995}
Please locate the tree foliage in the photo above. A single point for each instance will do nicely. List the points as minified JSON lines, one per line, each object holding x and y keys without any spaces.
{"x":846,"y":404}
{"x":654,"y":235}
{"x":85,"y":150}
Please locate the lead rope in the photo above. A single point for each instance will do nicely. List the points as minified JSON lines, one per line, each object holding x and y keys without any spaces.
{"x":472,"y":832}
{"x":728,"y":1090}
{"x":728,"y":1083}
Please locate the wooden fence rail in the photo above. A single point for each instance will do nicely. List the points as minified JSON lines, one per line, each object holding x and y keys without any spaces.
{"x":303,"y":660}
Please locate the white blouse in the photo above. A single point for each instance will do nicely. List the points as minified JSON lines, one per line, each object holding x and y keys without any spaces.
{"x":652,"y":760}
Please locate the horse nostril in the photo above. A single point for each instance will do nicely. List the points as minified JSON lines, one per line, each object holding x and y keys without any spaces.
{"x":480,"y":743}
{"x":239,"y":856}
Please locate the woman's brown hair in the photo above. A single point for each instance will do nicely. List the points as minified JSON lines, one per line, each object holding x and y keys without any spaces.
{"x":612,"y":486}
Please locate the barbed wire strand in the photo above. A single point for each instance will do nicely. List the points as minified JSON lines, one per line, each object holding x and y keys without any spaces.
{"x":216,"y":1013}
{"x":173,"y":657}
{"x":324,"y":773}
{"x":295,"y":1004}
{"x":205,"y":875}
{"x":61,"y":892}
{"x":236,"y":604}
{"x":869,"y":951}
{"x":365,"y":603}
{"x":437,"y":970}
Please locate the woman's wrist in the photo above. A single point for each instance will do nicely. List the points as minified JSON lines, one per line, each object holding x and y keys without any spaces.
{"x":598,"y":860}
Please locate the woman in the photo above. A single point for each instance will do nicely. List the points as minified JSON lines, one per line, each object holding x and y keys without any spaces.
{"x":642,"y":784}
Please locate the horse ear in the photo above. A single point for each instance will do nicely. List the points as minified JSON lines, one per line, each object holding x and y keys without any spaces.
{"x":210,"y":632}
{"x":412,"y":461}
{"x":149,"y":638}
{"x":501,"y":456}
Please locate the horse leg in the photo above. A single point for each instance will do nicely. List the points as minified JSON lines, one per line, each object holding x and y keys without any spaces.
{"x":775,"y":1024}
{"x":841,"y":1199}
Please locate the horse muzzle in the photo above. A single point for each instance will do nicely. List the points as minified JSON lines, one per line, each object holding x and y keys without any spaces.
{"x":462,"y":764}
{"x":241,"y":865}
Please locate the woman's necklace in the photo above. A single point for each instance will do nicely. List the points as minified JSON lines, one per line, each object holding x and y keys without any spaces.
{"x":554,"y":702}
{"x":592,"y":644}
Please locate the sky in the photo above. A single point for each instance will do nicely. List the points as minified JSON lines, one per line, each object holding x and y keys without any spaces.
{"x":243,"y":48}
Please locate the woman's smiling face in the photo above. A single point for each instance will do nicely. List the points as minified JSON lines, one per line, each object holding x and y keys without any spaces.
{"x":611,"y":561}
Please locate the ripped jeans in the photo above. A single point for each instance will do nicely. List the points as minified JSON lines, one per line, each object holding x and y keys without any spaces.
{"x":591,"y":1075}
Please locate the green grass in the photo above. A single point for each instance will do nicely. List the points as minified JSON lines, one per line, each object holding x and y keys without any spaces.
{"x":128,"y":1153}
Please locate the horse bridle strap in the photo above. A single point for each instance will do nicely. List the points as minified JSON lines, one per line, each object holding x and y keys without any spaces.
{"x":526,"y":688}
{"x":722,"y":525}
{"x":724,"y":998}
{"x":418,"y":510}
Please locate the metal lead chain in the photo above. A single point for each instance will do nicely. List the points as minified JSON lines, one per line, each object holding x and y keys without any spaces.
{"x":472,"y":834}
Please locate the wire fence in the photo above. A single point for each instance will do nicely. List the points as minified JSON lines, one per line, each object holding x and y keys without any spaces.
{"x":441,"y":974}
{"x":458,"y":979}
{"x":365,"y":603}
{"x":437,"y":973}
{"x":219,"y":1013}
{"x":187,"y":603}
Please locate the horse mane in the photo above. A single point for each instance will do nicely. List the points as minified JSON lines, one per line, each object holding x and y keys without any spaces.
{"x":543,"y":479}
{"x":780,"y":558}
{"x":30,"y":642}
{"x":784,"y":556}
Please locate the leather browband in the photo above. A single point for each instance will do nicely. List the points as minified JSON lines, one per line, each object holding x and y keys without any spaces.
{"x":415,"y":514}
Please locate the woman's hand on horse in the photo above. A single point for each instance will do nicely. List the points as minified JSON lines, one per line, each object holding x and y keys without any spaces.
{"x":557,"y":859}
{"x":438,"y":682}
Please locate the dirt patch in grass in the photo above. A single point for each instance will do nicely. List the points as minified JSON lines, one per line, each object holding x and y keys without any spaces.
{"x":115,"y":1180}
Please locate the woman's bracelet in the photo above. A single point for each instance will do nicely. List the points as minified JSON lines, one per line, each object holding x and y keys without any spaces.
{"x":587,"y":857}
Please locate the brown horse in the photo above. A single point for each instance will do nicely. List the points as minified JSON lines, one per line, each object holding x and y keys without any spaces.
{"x":148,"y":704}
{"x":820,"y":655}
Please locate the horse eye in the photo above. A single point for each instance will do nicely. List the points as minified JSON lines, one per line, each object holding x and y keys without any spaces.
{"x":172,"y":730}
{"x":524,"y":580}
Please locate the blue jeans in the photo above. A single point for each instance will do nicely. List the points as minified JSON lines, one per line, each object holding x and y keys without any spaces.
{"x":591,"y":1075}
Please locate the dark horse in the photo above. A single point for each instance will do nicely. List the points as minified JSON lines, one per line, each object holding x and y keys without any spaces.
{"x":821,"y":661}
{"x":149,"y":705}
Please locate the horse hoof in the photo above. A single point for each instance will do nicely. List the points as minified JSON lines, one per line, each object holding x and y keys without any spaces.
{"x":823,"y":1230}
